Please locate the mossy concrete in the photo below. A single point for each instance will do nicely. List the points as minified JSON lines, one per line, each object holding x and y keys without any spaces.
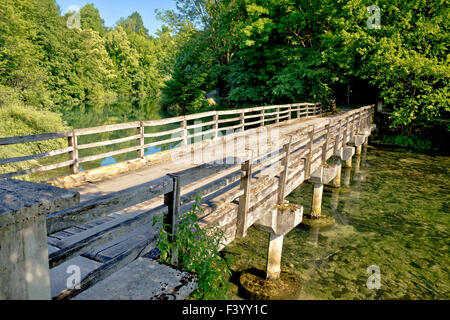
{"x":256,"y":287}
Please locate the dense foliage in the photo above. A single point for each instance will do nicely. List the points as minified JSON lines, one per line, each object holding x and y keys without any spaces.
{"x":252,"y":52}
{"x":197,"y":250}
{"x":45,"y":61}
{"x":280,"y":51}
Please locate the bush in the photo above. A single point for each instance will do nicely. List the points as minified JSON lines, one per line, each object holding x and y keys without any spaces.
{"x":197,"y":251}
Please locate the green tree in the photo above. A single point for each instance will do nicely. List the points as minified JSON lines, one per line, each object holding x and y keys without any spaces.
{"x":133,"y":24}
{"x":91,"y":19}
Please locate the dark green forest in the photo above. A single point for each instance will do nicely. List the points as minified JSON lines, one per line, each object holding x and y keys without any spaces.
{"x":251,"y":52}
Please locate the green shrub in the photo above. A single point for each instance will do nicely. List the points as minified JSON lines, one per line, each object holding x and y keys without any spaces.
{"x":197,"y":250}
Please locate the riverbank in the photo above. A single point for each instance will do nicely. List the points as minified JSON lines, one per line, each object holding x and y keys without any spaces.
{"x":429,"y":137}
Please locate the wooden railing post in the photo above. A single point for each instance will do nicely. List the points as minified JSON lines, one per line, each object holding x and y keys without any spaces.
{"x":325,"y":145}
{"x":141,"y":140}
{"x":338,"y":138}
{"x":216,"y":125}
{"x":263,"y":117}
{"x":243,"y":121}
{"x":172,"y":201}
{"x":278,"y":115}
{"x":290,"y":112}
{"x":73,"y":155}
{"x":184,"y":132}
{"x":246,"y":182}
{"x":284,"y":173}
{"x":360,"y":129}
{"x":347,"y":130}
{"x":310,"y":153}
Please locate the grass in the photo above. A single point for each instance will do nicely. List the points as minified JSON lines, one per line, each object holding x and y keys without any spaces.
{"x":17,"y":120}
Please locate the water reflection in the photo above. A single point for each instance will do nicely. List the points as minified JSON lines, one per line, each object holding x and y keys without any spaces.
{"x":394,"y":213}
{"x":99,"y":113}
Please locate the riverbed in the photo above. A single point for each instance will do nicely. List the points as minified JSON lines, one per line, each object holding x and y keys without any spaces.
{"x":392,"y":216}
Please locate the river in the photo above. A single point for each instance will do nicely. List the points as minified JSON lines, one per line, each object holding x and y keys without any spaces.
{"x":93,"y":114}
{"x":392,"y":216}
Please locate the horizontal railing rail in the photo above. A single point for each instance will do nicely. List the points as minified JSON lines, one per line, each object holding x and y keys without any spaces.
{"x":183,"y":130}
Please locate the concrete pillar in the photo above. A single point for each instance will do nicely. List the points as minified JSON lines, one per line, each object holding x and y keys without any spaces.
{"x":24,"y":267}
{"x":366,"y":143}
{"x":274,"y":257}
{"x":337,"y":179}
{"x":317,"y":200}
{"x":348,"y":163}
{"x":358,"y":150}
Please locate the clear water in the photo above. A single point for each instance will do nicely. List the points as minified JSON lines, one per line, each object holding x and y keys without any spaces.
{"x":394,"y":214}
{"x":93,"y":114}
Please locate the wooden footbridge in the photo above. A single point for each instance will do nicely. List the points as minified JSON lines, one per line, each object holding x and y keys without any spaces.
{"x":243,"y":163}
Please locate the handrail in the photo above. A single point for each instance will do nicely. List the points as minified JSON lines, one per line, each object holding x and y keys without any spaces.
{"x":293,"y":111}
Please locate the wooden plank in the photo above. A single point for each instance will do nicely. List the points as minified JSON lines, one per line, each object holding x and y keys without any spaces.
{"x":284,"y":173}
{"x":34,"y":138}
{"x":105,"y":205}
{"x":73,"y":156}
{"x":108,"y":128}
{"x":141,"y":140}
{"x":162,"y":122}
{"x":107,"y":143}
{"x":200,"y":115}
{"x":200,"y":125}
{"x":253,"y":123}
{"x":35,"y":170}
{"x":164,"y":133}
{"x":108,"y":154}
{"x":203,"y":133}
{"x":36,"y":156}
{"x":110,"y":267}
{"x":229,"y":112}
{"x":229,"y":120}
{"x":172,"y":201}
{"x":103,"y":236}
{"x":246,"y":182}
{"x":252,"y":116}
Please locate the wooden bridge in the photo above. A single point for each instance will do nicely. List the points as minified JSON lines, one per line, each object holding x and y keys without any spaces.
{"x":102,"y":220}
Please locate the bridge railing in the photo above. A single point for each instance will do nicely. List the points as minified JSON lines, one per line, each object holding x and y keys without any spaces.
{"x":183,"y":131}
{"x":262,"y":181}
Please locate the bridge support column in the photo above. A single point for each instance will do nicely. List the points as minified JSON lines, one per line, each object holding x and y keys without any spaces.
{"x":317,"y":200}
{"x":337,"y":179}
{"x":359,"y":150}
{"x":274,"y":256}
{"x":24,"y":265}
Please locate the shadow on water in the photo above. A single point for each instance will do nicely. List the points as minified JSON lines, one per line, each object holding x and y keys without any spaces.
{"x":394,"y":214}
